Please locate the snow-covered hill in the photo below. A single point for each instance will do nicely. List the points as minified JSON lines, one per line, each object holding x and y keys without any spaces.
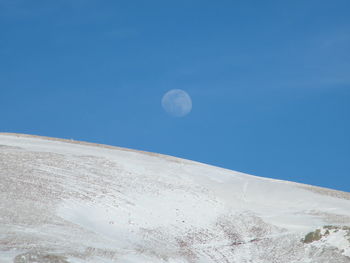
{"x":65,"y":201}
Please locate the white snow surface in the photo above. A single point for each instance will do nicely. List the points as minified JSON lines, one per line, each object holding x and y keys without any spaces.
{"x":66,"y":201}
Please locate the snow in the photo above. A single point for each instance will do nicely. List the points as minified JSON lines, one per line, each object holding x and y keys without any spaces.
{"x":93,"y":203}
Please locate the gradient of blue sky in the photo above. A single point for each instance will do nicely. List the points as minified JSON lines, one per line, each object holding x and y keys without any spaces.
{"x":269,"y":80}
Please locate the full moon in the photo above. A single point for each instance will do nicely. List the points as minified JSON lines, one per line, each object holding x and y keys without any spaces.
{"x":177,"y":103}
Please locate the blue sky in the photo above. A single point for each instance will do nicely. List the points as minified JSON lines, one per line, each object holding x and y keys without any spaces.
{"x":269,"y":80}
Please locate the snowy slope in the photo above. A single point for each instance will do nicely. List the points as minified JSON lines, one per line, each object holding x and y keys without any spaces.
{"x":65,"y":201}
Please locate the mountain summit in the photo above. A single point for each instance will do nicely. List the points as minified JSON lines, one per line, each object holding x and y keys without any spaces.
{"x":64,"y":201}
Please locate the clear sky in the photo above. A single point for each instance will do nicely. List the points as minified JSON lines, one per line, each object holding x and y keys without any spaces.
{"x":269,"y":80}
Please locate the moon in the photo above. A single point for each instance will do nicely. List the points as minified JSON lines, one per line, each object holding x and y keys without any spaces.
{"x":177,"y":103}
